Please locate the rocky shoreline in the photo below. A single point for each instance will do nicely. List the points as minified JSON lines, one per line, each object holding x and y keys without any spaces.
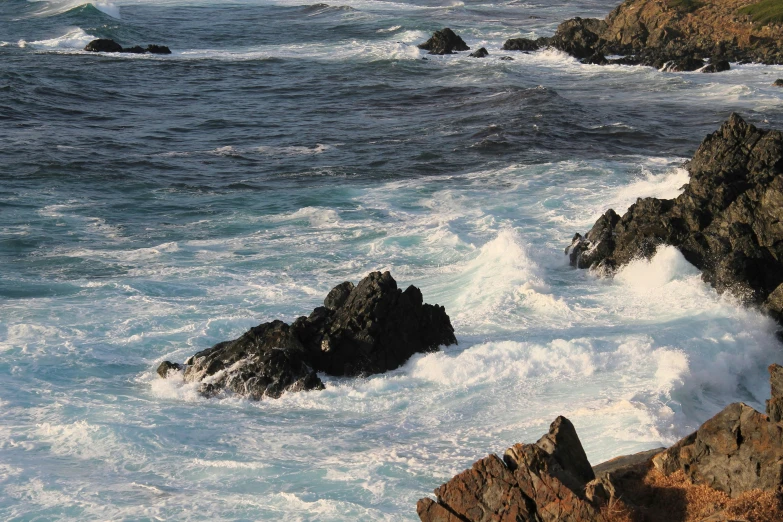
{"x":728,"y":222}
{"x":729,"y":470}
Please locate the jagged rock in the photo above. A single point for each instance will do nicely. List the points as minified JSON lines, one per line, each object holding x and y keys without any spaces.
{"x":520,"y":44}
{"x":103,"y":45}
{"x":166,"y":366}
{"x":528,"y":485}
{"x":266,"y":361}
{"x":728,"y":221}
{"x":716,"y":66}
{"x":736,"y":451}
{"x":775,"y":402}
{"x":444,"y":41}
{"x":579,"y":37}
{"x":481,"y":53}
{"x":563,"y":444}
{"x":369,"y":328}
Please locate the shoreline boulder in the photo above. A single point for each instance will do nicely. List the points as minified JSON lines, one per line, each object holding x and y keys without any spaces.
{"x":369,"y":328}
{"x":728,"y":221}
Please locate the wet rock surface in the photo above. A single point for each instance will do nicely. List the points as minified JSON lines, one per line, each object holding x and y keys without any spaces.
{"x":728,"y":221}
{"x":444,"y":41}
{"x":480,"y":53}
{"x":103,"y":45}
{"x":369,"y":328}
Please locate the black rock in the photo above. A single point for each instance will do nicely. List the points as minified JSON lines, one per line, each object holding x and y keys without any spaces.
{"x":103,"y":45}
{"x":444,"y":41}
{"x":166,"y":366}
{"x":507,"y":58}
{"x":778,"y":83}
{"x":369,"y":328}
{"x":686,"y":64}
{"x":716,"y":66}
{"x":579,"y":37}
{"x":266,"y":361}
{"x":136,"y":49}
{"x":520,"y":44}
{"x":596,"y":59}
{"x":158,"y":49}
{"x":481,"y":53}
{"x":728,"y":221}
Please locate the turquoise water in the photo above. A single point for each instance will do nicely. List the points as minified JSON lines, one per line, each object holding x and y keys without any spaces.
{"x":153,"y":206}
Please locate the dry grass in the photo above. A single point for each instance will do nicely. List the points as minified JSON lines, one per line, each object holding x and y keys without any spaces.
{"x":658,"y":498}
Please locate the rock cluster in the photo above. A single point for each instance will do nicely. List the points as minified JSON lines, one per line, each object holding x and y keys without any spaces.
{"x":103,"y":45}
{"x":444,"y":41}
{"x":681,"y":33}
{"x":737,"y":452}
{"x":728,"y":221}
{"x":369,"y":328}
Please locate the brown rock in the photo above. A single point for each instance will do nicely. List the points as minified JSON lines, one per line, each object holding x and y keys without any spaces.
{"x":736,"y":451}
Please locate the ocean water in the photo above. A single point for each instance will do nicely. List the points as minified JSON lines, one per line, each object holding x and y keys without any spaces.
{"x":151,"y":206}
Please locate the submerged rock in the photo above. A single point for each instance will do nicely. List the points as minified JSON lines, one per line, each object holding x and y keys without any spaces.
{"x":728,"y":221}
{"x":481,"y":53}
{"x":778,"y":83}
{"x":103,"y":45}
{"x":444,"y":41}
{"x":369,"y":328}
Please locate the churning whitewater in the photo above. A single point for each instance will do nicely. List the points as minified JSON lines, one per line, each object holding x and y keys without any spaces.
{"x":152,"y":206}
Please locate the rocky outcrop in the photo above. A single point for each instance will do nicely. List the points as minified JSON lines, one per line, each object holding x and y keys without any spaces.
{"x":520,"y":44}
{"x":444,"y":41}
{"x":728,"y":221}
{"x":369,"y":328}
{"x":481,"y":53}
{"x":654,"y":32}
{"x":729,"y":470}
{"x":775,"y":402}
{"x":529,"y":484}
{"x":103,"y":45}
{"x":736,"y":451}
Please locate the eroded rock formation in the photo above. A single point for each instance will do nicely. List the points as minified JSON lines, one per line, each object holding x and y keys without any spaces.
{"x":369,"y":328}
{"x":728,"y":221}
{"x":729,"y":470}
